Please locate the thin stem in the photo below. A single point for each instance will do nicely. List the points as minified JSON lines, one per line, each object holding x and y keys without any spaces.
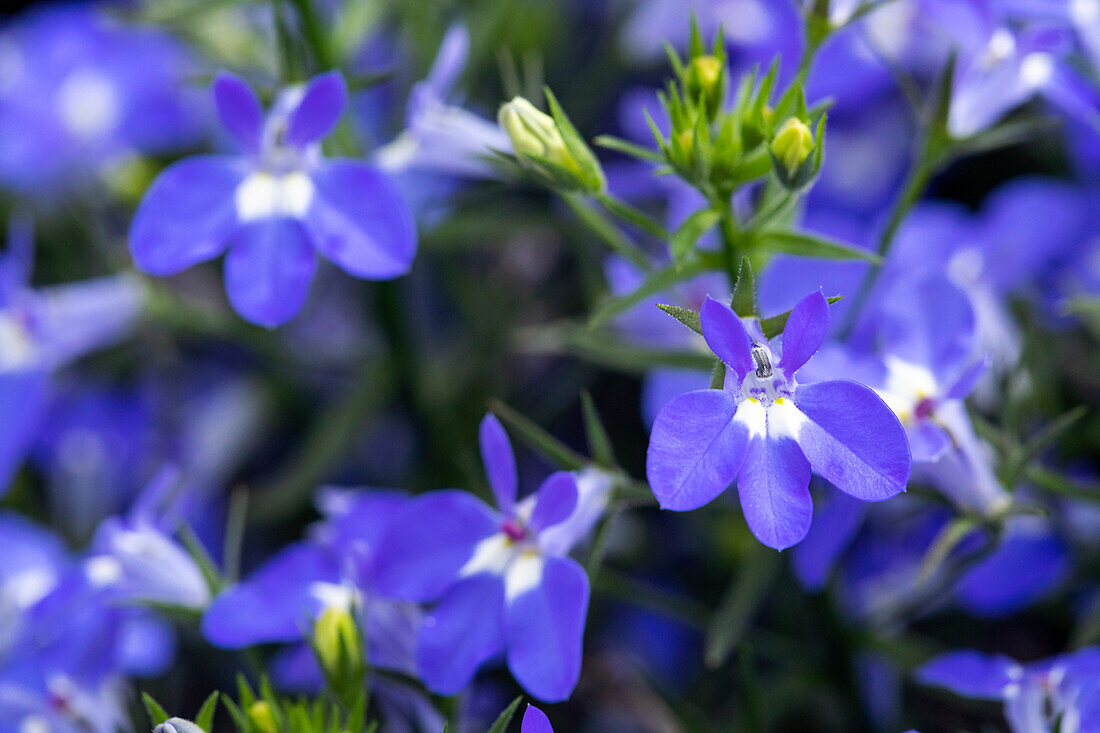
{"x":731,"y":239}
{"x":314,"y":34}
{"x":607,"y":231}
{"x":916,"y":183}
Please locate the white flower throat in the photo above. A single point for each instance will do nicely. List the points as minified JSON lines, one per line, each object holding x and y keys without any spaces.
{"x":280,"y":187}
{"x":765,"y":383}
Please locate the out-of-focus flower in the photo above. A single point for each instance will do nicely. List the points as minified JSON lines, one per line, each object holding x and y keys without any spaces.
{"x":1060,"y":693}
{"x":80,"y":93}
{"x":768,"y":432}
{"x":276,"y":207}
{"x":442,"y":137}
{"x":333,"y":569}
{"x":1003,"y":65}
{"x":178,"y":725}
{"x":43,"y":330}
{"x":499,"y":587}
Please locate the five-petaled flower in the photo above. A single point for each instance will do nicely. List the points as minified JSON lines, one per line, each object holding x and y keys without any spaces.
{"x":275,"y":207}
{"x":500,"y":586}
{"x":768,"y":432}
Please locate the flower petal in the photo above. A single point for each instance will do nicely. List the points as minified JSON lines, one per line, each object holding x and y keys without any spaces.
{"x":360,"y":221}
{"x":804,"y":332}
{"x":726,"y":336}
{"x":695,"y":449}
{"x":971,"y":674}
{"x":323,"y":102}
{"x":500,"y":462}
{"x":268,"y":270}
{"x":545,"y":630}
{"x":239,"y":109}
{"x":187,"y":215}
{"x":23,"y":399}
{"x":853,"y":439}
{"x":274,"y":602}
{"x":927,"y":441}
{"x":963,"y":385}
{"x":928,"y":320}
{"x":555,"y":501}
{"x":535,"y":721}
{"x":1029,"y":564}
{"x":834,"y":528}
{"x":426,"y":546}
{"x":774,"y":481}
{"x":461,"y":633}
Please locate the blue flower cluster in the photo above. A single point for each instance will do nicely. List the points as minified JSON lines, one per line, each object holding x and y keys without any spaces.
{"x":800,"y":358}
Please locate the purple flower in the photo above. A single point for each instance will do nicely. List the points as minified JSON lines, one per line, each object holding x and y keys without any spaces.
{"x":1060,"y":693}
{"x":334,"y":567}
{"x":769,"y":432}
{"x":441,"y":137}
{"x":277,"y":206}
{"x":499,"y":586}
{"x":80,"y":92}
{"x":42,"y":331}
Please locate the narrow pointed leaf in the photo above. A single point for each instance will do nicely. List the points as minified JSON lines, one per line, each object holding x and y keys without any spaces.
{"x":743,"y":302}
{"x":687,"y":234}
{"x":505,"y":717}
{"x":205,"y":718}
{"x":539,"y":440}
{"x":804,"y":244}
{"x":156,"y":713}
{"x":685,"y":316}
{"x":774,"y":325}
{"x":599,"y":443}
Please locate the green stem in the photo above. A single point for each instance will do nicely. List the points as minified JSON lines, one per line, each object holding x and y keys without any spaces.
{"x":932,"y":157}
{"x":731,"y":239}
{"x":314,"y":34}
{"x":289,"y":71}
{"x":607,"y":231}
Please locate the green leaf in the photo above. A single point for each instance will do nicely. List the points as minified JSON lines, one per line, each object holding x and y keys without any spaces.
{"x":718,"y":376}
{"x":947,"y":540}
{"x":575,"y":144}
{"x":202,"y":558}
{"x":156,"y":712}
{"x":607,"y":231}
{"x":599,"y":443}
{"x":628,"y":148}
{"x":634,"y":216}
{"x":205,"y":718}
{"x":774,"y":325}
{"x":804,"y":244}
{"x":600,"y":347}
{"x":756,"y":573}
{"x":505,"y":718}
{"x":743,"y":302}
{"x":537,"y":438}
{"x":1019,"y":459}
{"x":687,"y":234}
{"x":685,"y":316}
{"x":239,"y":718}
{"x":656,"y":282}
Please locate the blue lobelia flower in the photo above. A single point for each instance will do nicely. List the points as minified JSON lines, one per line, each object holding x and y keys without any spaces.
{"x":277,"y":206}
{"x":43,"y":330}
{"x":1060,"y":693}
{"x":80,"y":93}
{"x":441,"y":136}
{"x":535,"y":721}
{"x":500,"y":586}
{"x":768,"y":432}
{"x":334,"y":567}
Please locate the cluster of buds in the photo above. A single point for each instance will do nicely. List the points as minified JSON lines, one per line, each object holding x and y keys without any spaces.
{"x":718,"y":142}
{"x":548,"y":146}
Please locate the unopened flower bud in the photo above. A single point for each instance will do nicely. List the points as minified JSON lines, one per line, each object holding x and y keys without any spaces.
{"x":534,"y":133}
{"x":336,"y":640}
{"x":558,"y":156}
{"x":704,"y":77}
{"x":262,"y":716}
{"x":178,"y":725}
{"x":793,"y":143}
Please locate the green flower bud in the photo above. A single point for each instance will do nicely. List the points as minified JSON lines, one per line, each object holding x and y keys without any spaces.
{"x":551,"y":151}
{"x":534,"y":133}
{"x":262,"y":716}
{"x":793,"y":143}
{"x":705,"y":77}
{"x":336,"y":639}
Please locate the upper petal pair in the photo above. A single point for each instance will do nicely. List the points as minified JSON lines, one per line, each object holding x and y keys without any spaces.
{"x":316,"y":114}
